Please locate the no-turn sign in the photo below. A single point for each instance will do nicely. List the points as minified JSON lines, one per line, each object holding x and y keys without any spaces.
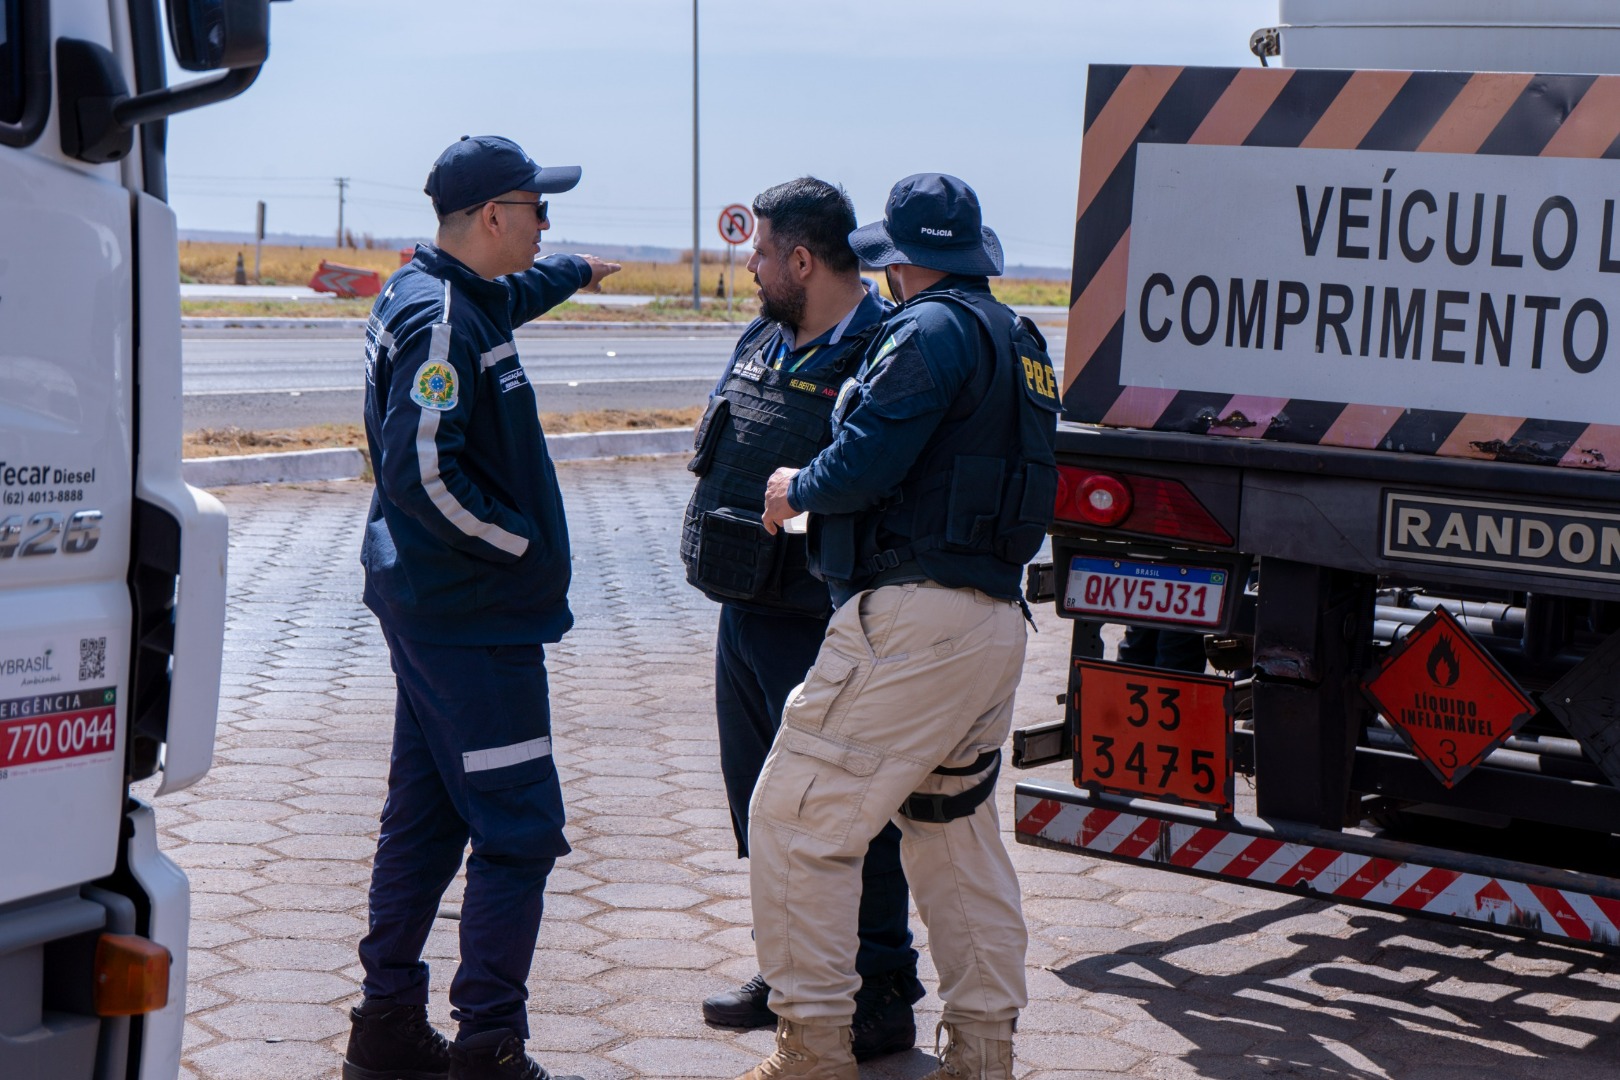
{"x":736,"y":224}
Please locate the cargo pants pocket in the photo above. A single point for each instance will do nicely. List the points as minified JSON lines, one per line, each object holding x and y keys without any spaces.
{"x":824,"y":693}
{"x":815,"y":785}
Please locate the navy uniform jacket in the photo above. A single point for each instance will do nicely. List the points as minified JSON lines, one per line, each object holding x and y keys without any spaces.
{"x":465,"y":543}
{"x":931,"y":366}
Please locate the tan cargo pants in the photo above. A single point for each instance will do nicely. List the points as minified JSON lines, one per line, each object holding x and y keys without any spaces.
{"x":909,"y":677}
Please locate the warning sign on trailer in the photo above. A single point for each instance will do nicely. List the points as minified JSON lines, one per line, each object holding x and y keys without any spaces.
{"x":1160,"y":734}
{"x":1419,"y":261}
{"x":1449,"y":700}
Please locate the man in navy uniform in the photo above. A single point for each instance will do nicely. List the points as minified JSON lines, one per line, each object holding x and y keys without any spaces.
{"x":938,"y":486}
{"x":771,"y":408}
{"x":467,"y":566}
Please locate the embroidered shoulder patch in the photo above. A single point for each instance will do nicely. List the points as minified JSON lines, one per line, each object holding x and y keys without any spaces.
{"x":435,"y":386}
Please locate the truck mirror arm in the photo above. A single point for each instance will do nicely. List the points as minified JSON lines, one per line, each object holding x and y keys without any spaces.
{"x":98,"y":113}
{"x":158,"y":104}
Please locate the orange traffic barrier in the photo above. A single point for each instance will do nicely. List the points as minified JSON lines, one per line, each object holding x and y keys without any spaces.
{"x":345,"y":281}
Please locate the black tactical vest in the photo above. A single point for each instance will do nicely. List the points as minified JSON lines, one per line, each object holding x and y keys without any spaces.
{"x":977,"y":503}
{"x":762,"y":419}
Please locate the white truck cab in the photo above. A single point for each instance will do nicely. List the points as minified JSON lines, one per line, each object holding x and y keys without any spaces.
{"x":112,"y":570}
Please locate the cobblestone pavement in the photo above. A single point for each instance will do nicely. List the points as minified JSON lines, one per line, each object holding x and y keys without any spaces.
{"x":1132,"y":971}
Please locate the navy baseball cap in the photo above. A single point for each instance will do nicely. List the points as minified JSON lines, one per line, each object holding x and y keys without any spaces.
{"x":478,"y":168}
{"x":931,"y":220}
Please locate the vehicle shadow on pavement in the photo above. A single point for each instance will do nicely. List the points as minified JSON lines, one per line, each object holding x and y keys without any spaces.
{"x":1392,"y":998}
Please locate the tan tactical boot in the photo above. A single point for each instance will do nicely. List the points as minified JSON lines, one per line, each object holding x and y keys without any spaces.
{"x":972,"y":1057}
{"x":807,"y":1052}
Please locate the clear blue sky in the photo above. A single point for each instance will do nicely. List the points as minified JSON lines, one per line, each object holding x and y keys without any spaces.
{"x":860,"y":92}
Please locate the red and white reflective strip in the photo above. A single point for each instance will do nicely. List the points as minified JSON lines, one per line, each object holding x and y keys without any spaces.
{"x":1402,"y":886}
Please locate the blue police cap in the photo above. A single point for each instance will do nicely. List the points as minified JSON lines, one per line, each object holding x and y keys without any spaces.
{"x":931,"y":220}
{"x":478,"y":168}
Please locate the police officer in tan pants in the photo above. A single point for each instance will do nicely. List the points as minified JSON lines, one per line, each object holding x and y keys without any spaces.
{"x":936,"y":489}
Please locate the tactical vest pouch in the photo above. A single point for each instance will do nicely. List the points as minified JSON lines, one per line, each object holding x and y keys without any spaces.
{"x":974,"y":502}
{"x":1032,"y":492}
{"x":736,"y":557}
{"x":707,"y":435}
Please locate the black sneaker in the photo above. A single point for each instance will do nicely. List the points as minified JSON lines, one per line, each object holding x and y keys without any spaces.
{"x":883,"y":1021}
{"x":745,"y":1007}
{"x":495,"y":1055}
{"x":394,"y":1043}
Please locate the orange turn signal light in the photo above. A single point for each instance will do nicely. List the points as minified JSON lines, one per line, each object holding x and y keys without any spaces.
{"x":132,"y":975}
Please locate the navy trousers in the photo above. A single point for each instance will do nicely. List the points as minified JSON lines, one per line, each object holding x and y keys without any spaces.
{"x":758,"y":660}
{"x":471,"y":763}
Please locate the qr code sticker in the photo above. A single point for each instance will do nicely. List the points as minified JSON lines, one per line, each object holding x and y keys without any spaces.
{"x":92,"y":658}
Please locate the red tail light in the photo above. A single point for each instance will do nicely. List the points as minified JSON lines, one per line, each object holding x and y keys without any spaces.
{"x":1094,"y":498}
{"x":1139,"y":504}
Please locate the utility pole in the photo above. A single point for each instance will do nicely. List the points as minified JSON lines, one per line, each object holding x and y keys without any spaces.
{"x":697,"y":287}
{"x":258,"y":241}
{"x":342,"y":185}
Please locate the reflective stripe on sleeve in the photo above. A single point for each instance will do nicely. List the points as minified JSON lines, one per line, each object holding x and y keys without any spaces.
{"x":439,"y":343}
{"x":427,"y":458}
{"x":496,"y":355}
{"x":499,"y":757}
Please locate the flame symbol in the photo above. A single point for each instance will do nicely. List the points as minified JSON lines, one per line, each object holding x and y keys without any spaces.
{"x":1443,"y":666}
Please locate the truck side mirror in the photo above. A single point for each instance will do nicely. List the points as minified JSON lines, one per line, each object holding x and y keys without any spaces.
{"x":208,"y":35}
{"x":99,"y":115}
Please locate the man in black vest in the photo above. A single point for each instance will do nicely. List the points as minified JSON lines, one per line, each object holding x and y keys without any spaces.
{"x":936,"y":489}
{"x":771,"y":409}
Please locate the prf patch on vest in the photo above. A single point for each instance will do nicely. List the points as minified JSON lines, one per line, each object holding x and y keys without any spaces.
{"x":435,"y":386}
{"x":1419,"y":262}
{"x":1040,"y":381}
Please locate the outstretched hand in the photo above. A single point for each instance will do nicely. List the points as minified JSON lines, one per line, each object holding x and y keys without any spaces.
{"x":600,"y":268}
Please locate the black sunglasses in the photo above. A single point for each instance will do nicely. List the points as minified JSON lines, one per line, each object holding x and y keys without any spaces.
{"x":540,"y":207}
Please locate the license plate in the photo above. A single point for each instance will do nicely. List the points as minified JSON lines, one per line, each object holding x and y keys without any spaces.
{"x":1153,"y":733}
{"x":1146,"y":592}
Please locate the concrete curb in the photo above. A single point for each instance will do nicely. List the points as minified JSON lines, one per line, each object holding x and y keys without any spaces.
{"x":342,"y":463}
{"x":347,"y":463}
{"x":586,"y":445}
{"x":227,"y":322}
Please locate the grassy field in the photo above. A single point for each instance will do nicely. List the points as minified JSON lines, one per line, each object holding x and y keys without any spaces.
{"x":659,"y":311}
{"x":221,"y":442}
{"x":215,"y":263}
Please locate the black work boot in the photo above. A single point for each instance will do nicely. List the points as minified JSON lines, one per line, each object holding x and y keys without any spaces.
{"x":394,"y":1042}
{"x":883,"y":1021}
{"x":495,"y":1055}
{"x":745,"y":1007}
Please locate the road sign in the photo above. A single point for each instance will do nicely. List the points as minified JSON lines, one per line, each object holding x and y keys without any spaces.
{"x":736,"y":224}
{"x":1451,"y":702}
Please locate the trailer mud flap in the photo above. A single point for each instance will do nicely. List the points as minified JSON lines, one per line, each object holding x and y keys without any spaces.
{"x":1366,"y":871}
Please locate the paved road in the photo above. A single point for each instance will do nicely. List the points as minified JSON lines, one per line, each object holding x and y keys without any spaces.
{"x":1133,"y":972}
{"x":296,"y":376}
